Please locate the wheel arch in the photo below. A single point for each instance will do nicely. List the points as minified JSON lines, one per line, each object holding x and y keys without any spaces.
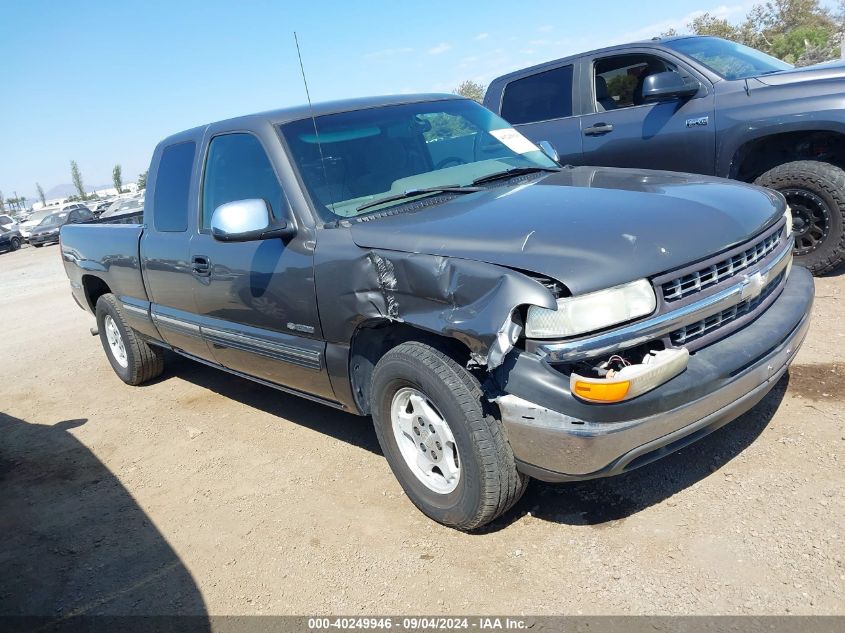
{"x":373,"y":338}
{"x":94,"y":288}
{"x":763,"y":152}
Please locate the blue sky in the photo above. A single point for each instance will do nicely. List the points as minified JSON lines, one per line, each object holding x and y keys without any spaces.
{"x":103,"y":82}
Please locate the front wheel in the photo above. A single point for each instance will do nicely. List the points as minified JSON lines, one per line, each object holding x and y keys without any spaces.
{"x":815,"y":192}
{"x":16,"y":243}
{"x":132,"y":358}
{"x":447,"y":450}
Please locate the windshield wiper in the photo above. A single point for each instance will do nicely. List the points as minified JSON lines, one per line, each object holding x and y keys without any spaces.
{"x":410,"y":193}
{"x":510,"y":173}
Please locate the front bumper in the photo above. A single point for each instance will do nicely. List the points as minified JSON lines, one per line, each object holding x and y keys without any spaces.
{"x":556,"y":437}
{"x":43,"y":238}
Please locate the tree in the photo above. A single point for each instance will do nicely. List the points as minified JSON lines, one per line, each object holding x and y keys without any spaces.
{"x":76,"y":176}
{"x":471,"y":90}
{"x":142,"y":180}
{"x":800,"y":32}
{"x":2,"y":203}
{"x":117,"y":178}
{"x":41,"y":195}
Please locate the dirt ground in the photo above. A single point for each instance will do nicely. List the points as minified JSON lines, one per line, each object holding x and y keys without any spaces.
{"x":204,"y":493}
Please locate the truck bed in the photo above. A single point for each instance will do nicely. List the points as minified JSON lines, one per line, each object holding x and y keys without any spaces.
{"x":108,"y":252}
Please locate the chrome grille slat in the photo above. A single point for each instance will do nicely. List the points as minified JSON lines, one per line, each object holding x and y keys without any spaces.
{"x":689,"y":333}
{"x":707,"y":276}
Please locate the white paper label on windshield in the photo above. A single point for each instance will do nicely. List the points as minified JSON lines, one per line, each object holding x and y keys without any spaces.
{"x":514,"y":140}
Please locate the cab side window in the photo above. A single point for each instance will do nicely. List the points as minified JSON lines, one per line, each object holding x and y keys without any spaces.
{"x":238,"y":168}
{"x":540,"y":97}
{"x":619,"y":80}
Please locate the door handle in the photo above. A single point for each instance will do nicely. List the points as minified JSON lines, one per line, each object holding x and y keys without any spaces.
{"x":598,"y":129}
{"x":200,"y":265}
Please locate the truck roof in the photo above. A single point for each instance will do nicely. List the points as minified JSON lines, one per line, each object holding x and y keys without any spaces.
{"x":294,"y":113}
{"x":654,"y":42}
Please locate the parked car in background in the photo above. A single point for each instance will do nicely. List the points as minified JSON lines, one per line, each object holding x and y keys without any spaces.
{"x":416,"y":259}
{"x":48,"y":229}
{"x":10,"y":238}
{"x":8,"y":222}
{"x":98,"y":208}
{"x":125,"y":206}
{"x":703,"y":105}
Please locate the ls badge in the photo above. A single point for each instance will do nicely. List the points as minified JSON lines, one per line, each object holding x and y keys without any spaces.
{"x":699,"y":122}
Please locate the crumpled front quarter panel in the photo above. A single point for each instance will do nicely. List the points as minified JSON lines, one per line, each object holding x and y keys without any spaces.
{"x":463,"y":299}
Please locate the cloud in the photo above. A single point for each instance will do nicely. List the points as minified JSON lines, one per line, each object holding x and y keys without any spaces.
{"x":723,"y":11}
{"x":440,"y":48}
{"x":388,"y":52}
{"x":545,"y":28}
{"x":481,"y":36}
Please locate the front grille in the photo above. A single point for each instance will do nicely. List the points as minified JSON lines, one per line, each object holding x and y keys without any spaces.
{"x":697,"y":330}
{"x":719,"y":271}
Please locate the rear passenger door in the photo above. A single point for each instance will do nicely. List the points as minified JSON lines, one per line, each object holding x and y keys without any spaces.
{"x":541,"y":107}
{"x":620,"y":130}
{"x":165,"y":246}
{"x":256,"y":301}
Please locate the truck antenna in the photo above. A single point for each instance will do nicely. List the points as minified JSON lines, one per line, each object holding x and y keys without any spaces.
{"x":313,"y":120}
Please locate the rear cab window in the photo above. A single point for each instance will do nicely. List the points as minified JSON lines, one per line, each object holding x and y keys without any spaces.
{"x":539,"y":97}
{"x":172,"y":187}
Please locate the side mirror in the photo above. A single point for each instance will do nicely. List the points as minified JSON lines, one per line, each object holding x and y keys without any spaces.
{"x":247,"y":221}
{"x":666,"y":86}
{"x":549,"y":150}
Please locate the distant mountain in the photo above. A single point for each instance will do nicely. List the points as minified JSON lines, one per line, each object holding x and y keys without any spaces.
{"x":64,"y":191}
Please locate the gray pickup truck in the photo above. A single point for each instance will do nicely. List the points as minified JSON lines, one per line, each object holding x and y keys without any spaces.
{"x":417,"y":259}
{"x":702,"y":105}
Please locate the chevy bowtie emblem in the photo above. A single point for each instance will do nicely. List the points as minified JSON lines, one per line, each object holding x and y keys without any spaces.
{"x":752,"y":285}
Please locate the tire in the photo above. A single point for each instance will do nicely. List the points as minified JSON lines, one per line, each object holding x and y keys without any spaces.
{"x":140,"y":361}
{"x":815,"y":192}
{"x":16,"y":243}
{"x":488,"y":483}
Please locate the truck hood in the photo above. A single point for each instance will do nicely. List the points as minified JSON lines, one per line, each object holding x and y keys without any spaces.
{"x":816,"y":72}
{"x":587,"y":227}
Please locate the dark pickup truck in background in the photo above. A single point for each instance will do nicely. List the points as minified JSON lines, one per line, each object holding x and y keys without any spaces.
{"x":702,"y":105}
{"x":417,"y":259}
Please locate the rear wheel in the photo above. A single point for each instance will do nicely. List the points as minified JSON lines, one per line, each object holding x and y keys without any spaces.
{"x":16,"y":243}
{"x":815,"y":192}
{"x":448,"y":451}
{"x":132,"y":358}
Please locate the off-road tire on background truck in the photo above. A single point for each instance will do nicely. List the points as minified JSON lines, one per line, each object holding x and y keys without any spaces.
{"x":488,"y":483}
{"x":815,"y":191}
{"x":142,"y":361}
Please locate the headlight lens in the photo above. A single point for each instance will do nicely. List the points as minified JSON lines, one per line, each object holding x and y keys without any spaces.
{"x":593,"y":311}
{"x":787,"y":215}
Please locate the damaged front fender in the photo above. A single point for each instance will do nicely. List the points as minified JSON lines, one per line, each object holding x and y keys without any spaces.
{"x":470,"y":301}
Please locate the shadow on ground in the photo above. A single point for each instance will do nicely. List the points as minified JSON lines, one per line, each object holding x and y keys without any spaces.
{"x":74,"y":541}
{"x":352,"y":429}
{"x":594,"y":502}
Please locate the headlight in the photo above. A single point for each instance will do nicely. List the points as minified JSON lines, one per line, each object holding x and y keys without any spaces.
{"x":787,"y":215}
{"x":593,"y":311}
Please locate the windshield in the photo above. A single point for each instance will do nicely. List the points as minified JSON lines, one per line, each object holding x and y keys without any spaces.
{"x":384,"y":152}
{"x":56,"y":218}
{"x":728,"y":59}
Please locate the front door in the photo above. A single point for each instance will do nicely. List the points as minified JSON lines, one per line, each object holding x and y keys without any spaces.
{"x":623,"y":131}
{"x":256,"y":300}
